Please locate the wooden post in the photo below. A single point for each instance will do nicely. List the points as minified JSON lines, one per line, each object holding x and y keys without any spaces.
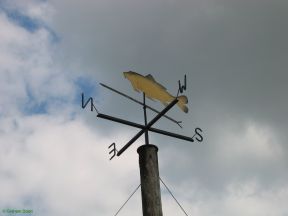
{"x":150,"y":184}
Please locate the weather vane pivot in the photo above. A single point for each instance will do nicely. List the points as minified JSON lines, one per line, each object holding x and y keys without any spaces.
{"x":154,"y":90}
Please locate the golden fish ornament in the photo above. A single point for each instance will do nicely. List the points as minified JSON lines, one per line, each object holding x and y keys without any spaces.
{"x":154,"y":90}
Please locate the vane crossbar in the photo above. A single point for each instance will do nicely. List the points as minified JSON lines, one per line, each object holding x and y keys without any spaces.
{"x":153,"y":121}
{"x":155,"y":130}
{"x":139,"y":102}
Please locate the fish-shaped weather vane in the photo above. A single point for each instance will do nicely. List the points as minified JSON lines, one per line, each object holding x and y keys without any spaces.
{"x":154,"y":91}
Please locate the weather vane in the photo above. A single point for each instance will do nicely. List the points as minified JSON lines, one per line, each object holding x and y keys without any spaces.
{"x":148,"y":159}
{"x":154,"y":91}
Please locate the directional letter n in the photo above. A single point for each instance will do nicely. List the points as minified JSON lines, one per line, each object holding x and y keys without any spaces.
{"x":85,"y":104}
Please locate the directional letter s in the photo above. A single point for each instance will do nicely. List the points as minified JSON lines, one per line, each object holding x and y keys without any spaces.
{"x":199,"y":137}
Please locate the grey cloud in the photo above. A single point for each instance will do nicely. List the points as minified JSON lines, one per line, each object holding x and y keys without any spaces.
{"x":233,"y":52}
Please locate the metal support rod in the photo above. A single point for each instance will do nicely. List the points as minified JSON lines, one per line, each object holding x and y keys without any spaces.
{"x":136,"y":101}
{"x":155,"y":130}
{"x":150,"y":184}
{"x":145,"y":119}
{"x":153,"y":121}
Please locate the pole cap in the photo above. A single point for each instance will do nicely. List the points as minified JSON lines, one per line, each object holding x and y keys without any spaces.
{"x":145,"y":146}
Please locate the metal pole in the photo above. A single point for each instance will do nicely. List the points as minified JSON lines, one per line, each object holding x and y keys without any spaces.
{"x":150,"y":184}
{"x":145,"y":119}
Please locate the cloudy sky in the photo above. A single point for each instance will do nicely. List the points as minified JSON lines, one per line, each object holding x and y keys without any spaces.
{"x":54,"y":155}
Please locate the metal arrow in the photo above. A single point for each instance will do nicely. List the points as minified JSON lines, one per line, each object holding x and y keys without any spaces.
{"x":155,"y":130}
{"x":139,"y":102}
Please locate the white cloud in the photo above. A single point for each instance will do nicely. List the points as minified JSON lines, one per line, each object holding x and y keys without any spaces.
{"x":51,"y":163}
{"x":35,"y":9}
{"x":249,"y":199}
{"x":239,"y":198}
{"x":251,"y":141}
{"x":29,"y":74}
{"x":64,"y":163}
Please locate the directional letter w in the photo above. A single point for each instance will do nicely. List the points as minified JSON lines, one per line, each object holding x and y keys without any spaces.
{"x":182,"y":87}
